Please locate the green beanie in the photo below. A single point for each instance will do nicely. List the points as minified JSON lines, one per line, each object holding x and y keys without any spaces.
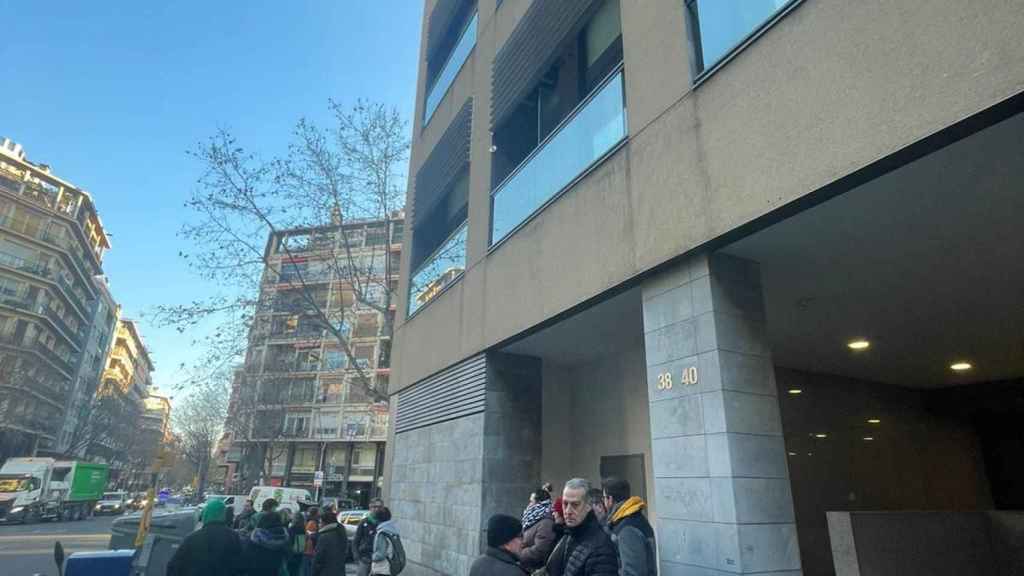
{"x":214,"y":512}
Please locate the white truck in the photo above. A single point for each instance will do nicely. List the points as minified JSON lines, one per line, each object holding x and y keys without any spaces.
{"x":33,"y":489}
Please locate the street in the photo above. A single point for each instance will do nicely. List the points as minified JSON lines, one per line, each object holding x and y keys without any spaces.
{"x":27,"y":550}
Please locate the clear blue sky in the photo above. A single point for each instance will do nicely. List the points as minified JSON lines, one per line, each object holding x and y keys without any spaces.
{"x":111,"y":94}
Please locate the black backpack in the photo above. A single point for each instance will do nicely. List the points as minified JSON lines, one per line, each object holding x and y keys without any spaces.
{"x":397,"y":559}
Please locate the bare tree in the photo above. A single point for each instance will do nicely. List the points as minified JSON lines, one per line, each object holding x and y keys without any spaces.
{"x":352,"y":171}
{"x":199,"y":420}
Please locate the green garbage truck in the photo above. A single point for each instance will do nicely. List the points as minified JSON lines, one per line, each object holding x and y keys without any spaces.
{"x":33,"y":489}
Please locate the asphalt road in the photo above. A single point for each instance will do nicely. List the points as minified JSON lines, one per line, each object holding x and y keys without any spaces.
{"x":28,"y":550}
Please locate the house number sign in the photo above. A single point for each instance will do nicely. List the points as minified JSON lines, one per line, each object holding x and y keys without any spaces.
{"x":687,"y":378}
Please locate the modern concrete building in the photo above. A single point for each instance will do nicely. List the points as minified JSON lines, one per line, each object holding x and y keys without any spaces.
{"x":323,"y":328}
{"x":761,"y":258}
{"x":51,"y":250}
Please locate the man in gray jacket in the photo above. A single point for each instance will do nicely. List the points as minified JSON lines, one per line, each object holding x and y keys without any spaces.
{"x":504,"y":542}
{"x":630,"y":530}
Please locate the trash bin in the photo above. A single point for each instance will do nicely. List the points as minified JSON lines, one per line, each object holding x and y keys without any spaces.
{"x":102,"y":563}
{"x":166,"y":532}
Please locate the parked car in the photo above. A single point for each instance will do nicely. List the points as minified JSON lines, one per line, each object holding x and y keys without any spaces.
{"x":350,"y":519}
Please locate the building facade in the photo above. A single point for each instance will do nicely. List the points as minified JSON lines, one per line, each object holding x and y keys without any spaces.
{"x":310,"y":396}
{"x":127,"y":380}
{"x":761,"y":258}
{"x":51,"y":251}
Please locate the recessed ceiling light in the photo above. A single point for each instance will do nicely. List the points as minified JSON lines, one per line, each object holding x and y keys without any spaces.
{"x":792,"y":453}
{"x":858,"y":344}
{"x":821,"y":435}
{"x":795,"y":391}
{"x":874,"y":421}
{"x":869,"y":438}
{"x":960,"y":366}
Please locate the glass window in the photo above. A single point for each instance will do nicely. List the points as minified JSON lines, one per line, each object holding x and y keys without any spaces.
{"x":596,"y":128}
{"x":439,"y":270}
{"x":451,"y":68}
{"x":335,"y":359}
{"x":721,"y":25}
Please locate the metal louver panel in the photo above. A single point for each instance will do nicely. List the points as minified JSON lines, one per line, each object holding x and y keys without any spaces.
{"x":457,"y":391}
{"x":446,"y":161}
{"x":531,"y":49}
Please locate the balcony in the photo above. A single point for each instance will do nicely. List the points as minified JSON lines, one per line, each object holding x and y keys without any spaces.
{"x":592,"y":131}
{"x":439,"y":270}
{"x":450,"y":70}
{"x":22,"y":265}
{"x":24,"y":383}
{"x":291,"y":367}
{"x":299,"y":334}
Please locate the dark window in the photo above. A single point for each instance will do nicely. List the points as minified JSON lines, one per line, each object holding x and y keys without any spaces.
{"x":433,"y":228}
{"x":596,"y":52}
{"x":719,"y":26}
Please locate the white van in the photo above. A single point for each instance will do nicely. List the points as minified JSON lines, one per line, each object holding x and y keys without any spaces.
{"x":234,"y":501}
{"x":287,"y":498}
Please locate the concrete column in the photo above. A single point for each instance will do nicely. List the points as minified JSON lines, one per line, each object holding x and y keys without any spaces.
{"x":721,"y":480}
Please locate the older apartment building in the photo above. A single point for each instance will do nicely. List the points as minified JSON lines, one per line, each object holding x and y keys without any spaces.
{"x":55,"y":322}
{"x":127,"y":380}
{"x":762,"y":258}
{"x":302,"y":395}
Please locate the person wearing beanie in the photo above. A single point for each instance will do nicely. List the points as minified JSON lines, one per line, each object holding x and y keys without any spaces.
{"x":504,"y":543}
{"x":213,"y":549}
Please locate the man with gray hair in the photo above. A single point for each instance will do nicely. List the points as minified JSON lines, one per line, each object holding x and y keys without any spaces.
{"x":585,"y":549}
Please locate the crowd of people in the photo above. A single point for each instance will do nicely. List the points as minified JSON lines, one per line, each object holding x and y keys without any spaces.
{"x":585,"y":531}
{"x":280,"y":542}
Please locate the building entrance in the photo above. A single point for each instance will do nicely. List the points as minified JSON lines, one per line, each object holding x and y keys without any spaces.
{"x":894,"y":318}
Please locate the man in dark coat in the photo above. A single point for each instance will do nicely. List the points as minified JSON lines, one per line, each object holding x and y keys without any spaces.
{"x":331,"y":547}
{"x":504,"y":543}
{"x":585,"y":549}
{"x":213,"y":549}
{"x":366,"y":533}
{"x":630,"y":530}
{"x":268,"y":547}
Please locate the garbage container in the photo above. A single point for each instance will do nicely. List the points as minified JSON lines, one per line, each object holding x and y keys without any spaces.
{"x":166,"y":532}
{"x":103,"y":563}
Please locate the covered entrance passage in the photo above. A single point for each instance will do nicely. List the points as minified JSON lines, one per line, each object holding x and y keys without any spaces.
{"x":895,"y":318}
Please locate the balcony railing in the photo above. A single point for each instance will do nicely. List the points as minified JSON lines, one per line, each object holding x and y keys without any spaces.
{"x":595,"y":128}
{"x":438,"y":271}
{"x":450,"y":70}
{"x":288,"y":367}
{"x":19,"y":263}
{"x":73,"y":333}
{"x":300,"y":334}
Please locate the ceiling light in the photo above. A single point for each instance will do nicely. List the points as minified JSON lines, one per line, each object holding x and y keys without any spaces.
{"x":795,"y":391}
{"x":821,"y":435}
{"x":858,"y":344}
{"x":874,"y":421}
{"x":792,"y":453}
{"x":960,"y":366}
{"x":869,"y":438}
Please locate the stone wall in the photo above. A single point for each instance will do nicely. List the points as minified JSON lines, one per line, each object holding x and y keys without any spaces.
{"x":436,"y":494}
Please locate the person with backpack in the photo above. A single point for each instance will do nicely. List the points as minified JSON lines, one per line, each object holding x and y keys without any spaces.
{"x":331,"y":547}
{"x":388,"y":553}
{"x":297,"y":534}
{"x":362,"y":542}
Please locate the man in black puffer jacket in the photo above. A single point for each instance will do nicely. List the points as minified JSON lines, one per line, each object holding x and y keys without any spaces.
{"x":585,"y":549}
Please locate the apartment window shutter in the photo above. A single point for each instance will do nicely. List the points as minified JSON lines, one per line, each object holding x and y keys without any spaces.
{"x":446,"y":161}
{"x":532,"y":48}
